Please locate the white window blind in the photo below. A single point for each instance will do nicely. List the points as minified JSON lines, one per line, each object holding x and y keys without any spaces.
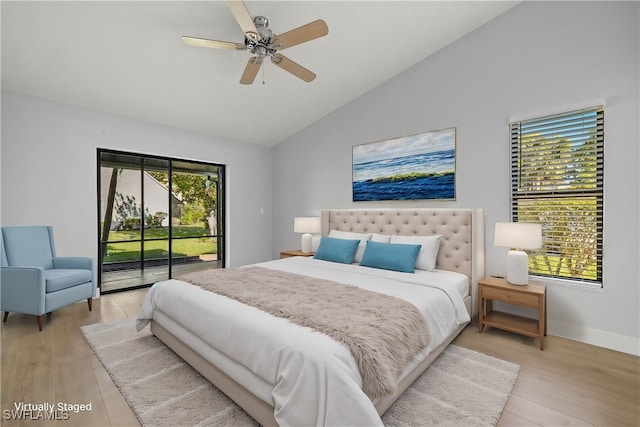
{"x":557,"y":172}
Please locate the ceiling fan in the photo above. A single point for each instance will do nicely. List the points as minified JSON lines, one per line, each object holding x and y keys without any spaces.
{"x":262,"y":42}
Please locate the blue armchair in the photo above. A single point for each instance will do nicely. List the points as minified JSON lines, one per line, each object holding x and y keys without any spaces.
{"x":34,"y":280}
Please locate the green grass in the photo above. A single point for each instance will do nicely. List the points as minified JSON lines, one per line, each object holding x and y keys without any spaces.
{"x":157,"y":233}
{"x":155,"y":249}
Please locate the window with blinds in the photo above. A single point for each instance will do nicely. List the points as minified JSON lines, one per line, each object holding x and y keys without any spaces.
{"x":557,"y":172}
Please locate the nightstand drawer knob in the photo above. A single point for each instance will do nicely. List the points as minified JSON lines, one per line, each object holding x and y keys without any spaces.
{"x":508,"y":295}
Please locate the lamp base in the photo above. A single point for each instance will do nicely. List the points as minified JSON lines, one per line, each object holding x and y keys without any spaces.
{"x":306,"y":246}
{"x":517,"y":267}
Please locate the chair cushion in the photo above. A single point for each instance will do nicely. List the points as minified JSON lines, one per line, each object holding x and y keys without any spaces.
{"x":58,"y":279}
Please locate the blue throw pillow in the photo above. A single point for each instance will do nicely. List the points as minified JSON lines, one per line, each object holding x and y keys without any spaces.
{"x":391,"y":256}
{"x":337,"y":250}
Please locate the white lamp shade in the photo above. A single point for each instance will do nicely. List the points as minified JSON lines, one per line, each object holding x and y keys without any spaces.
{"x":518,"y":235}
{"x":306,"y":225}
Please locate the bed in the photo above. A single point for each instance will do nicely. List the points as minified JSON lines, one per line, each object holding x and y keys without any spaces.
{"x":281,"y":373}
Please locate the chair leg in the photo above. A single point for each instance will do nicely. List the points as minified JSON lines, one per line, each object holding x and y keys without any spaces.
{"x":90,"y":302}
{"x":40,"y":319}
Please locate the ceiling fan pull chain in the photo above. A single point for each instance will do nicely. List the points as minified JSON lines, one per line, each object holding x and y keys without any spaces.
{"x":263,"y":75}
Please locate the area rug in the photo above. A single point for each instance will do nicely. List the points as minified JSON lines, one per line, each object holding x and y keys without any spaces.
{"x":461,"y":388}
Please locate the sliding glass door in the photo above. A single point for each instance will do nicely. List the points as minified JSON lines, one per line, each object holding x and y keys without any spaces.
{"x":197,"y":240}
{"x":158,"y":218}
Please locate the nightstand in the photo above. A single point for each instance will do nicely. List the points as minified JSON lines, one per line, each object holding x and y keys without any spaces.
{"x":296,"y":252}
{"x":533,"y":296}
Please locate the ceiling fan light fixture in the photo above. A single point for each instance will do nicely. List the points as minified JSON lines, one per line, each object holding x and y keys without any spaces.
{"x":260,"y":51}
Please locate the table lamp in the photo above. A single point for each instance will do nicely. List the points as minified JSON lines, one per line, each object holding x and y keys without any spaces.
{"x":518,"y":236}
{"x":306,"y":225}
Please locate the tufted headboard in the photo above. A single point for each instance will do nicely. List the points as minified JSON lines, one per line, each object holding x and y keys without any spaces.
{"x":462,"y":231}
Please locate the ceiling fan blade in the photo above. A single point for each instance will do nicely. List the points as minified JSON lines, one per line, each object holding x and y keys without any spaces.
{"x":293,"y":67}
{"x":310,"y":31}
{"x":195,"y":41}
{"x":251,"y":70}
{"x":240,"y":12}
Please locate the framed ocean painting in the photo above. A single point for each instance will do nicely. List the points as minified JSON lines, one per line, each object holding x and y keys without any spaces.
{"x":415,"y":167}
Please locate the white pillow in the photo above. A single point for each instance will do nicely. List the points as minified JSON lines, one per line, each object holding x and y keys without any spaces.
{"x":428,"y":252}
{"x":380,"y":238}
{"x":363,"y":237}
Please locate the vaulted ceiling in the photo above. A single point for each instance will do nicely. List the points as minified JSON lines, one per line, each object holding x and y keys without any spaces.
{"x":127,"y":58}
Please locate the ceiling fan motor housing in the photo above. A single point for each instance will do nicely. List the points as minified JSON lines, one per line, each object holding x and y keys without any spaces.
{"x":262,"y":47}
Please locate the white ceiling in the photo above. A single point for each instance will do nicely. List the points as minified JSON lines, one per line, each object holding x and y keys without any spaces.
{"x":127,"y":58}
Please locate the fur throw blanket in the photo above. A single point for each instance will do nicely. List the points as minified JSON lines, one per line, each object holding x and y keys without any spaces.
{"x":384,"y":333}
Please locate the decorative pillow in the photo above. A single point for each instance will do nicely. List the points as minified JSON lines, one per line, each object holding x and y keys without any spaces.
{"x":363,"y":237}
{"x":391,"y":256}
{"x":428,"y":253}
{"x":337,"y":250}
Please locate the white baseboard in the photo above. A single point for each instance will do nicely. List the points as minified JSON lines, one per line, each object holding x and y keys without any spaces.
{"x":597,"y":337}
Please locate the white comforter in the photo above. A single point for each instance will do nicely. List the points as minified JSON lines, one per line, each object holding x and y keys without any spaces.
{"x":309,"y":378}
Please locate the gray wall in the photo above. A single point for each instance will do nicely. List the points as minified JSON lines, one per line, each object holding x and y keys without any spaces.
{"x":537,"y":58}
{"x":49,"y":173}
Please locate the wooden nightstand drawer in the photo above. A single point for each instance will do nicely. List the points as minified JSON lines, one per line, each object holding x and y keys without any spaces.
{"x":511,"y":297}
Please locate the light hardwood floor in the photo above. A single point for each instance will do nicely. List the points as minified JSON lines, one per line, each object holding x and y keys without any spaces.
{"x":569,"y":383}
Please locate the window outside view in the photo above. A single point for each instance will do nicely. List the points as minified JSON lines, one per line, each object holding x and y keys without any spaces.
{"x":557,"y":181}
{"x":155,"y":224}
